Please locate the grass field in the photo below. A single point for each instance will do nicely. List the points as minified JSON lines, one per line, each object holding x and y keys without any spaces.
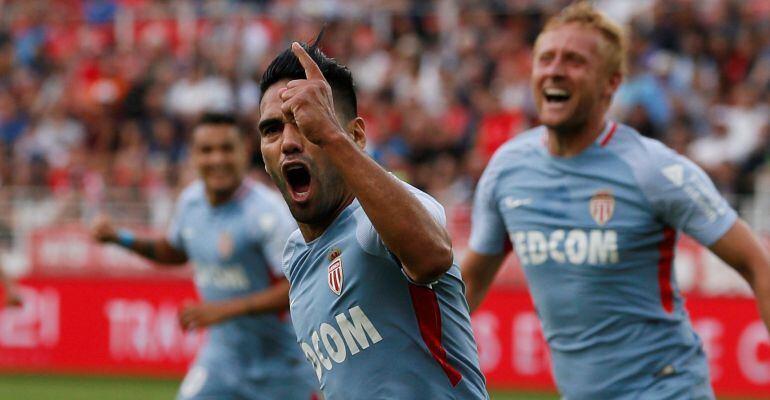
{"x":50,"y":387}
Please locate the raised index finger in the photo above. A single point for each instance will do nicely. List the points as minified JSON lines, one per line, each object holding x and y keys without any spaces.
{"x":311,"y":68}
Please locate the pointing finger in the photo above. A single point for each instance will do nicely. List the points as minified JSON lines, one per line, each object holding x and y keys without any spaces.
{"x":311,"y":68}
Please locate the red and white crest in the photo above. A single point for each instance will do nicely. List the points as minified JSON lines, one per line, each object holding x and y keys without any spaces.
{"x":602,"y":206}
{"x":335,"y":276}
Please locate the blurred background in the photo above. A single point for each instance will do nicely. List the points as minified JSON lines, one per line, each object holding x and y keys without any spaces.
{"x":97,"y":98}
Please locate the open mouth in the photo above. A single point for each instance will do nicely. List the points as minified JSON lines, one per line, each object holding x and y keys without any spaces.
{"x":298,"y":178}
{"x":555,"y":95}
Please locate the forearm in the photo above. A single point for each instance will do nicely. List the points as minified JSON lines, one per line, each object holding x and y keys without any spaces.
{"x":274,"y":299}
{"x":154,"y":249}
{"x":759,"y":280}
{"x":404,"y":224}
{"x":478,"y":273}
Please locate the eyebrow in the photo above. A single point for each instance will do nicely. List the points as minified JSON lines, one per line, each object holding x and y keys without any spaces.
{"x":268,"y":122}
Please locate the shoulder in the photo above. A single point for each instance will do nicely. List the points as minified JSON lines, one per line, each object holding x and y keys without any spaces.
{"x":266,"y":207}
{"x":192,"y":194}
{"x":515,"y":152}
{"x":522,"y":144}
{"x":651,"y":161}
{"x":292,"y":245}
{"x":259,"y":197}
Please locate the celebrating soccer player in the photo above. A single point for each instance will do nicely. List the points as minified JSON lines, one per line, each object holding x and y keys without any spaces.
{"x":233,"y":230}
{"x":592,"y":209}
{"x":376,"y":300}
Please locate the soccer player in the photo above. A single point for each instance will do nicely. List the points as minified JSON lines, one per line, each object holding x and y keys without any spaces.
{"x":592,"y":209}
{"x":376,"y":299}
{"x":233,"y":230}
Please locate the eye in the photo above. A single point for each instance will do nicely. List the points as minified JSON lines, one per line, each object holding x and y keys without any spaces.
{"x":271,"y":129}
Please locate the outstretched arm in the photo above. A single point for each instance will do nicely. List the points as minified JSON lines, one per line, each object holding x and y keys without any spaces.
{"x":273,"y":299}
{"x":741,"y":249}
{"x":155,"y":249}
{"x":406,"y":227}
{"x":479,"y":272}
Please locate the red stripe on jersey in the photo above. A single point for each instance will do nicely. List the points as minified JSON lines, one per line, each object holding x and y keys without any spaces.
{"x":507,"y":245}
{"x":666,"y":249}
{"x":609,"y":135}
{"x":428,"y":315}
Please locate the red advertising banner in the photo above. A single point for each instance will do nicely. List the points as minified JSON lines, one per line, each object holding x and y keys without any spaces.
{"x":129,"y":326}
{"x":98,"y":326}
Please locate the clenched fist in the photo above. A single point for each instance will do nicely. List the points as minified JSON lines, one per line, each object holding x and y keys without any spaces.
{"x":309,"y":102}
{"x":102,"y":229}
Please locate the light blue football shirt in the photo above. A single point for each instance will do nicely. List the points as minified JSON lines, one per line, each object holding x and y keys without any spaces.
{"x":235,"y":249}
{"x":368,"y":331}
{"x":595,"y":234}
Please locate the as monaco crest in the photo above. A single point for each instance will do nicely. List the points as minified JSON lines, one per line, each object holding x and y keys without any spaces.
{"x":602,"y":206}
{"x":335,"y":275}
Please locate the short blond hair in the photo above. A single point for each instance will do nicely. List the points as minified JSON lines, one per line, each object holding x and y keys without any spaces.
{"x":584,"y":14}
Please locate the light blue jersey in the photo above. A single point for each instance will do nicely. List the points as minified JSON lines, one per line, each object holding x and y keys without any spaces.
{"x":235,"y":249}
{"x":368,"y":331}
{"x":595,"y":234}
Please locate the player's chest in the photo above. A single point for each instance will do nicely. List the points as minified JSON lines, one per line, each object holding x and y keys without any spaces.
{"x":550,"y":199}
{"x":334,"y":278}
{"x":212,"y":236}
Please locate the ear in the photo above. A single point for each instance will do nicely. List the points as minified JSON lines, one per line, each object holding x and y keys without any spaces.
{"x":357,"y":129}
{"x":613,"y":83}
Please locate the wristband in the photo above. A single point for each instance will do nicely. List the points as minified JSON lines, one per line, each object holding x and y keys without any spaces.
{"x":125,"y":238}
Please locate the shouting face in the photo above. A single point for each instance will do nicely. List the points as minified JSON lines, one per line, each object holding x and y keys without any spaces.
{"x":311,"y":186}
{"x":571,"y":81}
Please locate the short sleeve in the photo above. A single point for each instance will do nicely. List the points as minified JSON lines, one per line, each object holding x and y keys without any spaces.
{"x":370,"y":240}
{"x":488,"y":233}
{"x":174,"y":232}
{"x":685,"y":198}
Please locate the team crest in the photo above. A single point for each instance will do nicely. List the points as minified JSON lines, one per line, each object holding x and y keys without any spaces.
{"x":335,"y":276}
{"x":602,"y":206}
{"x":225,"y":244}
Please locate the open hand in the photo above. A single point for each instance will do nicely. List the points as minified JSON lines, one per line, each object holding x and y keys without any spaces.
{"x":201,"y":315}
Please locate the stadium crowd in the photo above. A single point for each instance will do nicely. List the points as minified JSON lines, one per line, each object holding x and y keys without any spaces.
{"x":101,"y":94}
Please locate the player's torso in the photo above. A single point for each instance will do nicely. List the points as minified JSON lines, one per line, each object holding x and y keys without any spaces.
{"x":583,"y":225}
{"x":219,"y":242}
{"x":222,"y":245}
{"x":356,"y":323}
{"x":598,"y":264}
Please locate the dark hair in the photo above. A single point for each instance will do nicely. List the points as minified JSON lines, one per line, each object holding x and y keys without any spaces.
{"x":287,"y":66}
{"x":216,"y":118}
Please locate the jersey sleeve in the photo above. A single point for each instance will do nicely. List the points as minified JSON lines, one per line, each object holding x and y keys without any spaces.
{"x":488,"y":233}
{"x":685,"y":198}
{"x":371,"y":241}
{"x":174,"y":232}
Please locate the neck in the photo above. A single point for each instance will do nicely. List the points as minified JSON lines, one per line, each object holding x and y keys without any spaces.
{"x":571,"y":141}
{"x":217,"y":198}
{"x":313,"y":230}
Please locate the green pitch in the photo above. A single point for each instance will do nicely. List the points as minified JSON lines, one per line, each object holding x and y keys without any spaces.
{"x":47,"y":387}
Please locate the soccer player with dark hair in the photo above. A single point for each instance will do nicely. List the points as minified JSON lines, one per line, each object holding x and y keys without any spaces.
{"x":592,"y":209}
{"x":376,"y":299}
{"x":233,"y":230}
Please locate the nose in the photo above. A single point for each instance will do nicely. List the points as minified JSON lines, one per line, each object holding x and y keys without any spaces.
{"x":292,"y":140}
{"x":554,"y":68}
